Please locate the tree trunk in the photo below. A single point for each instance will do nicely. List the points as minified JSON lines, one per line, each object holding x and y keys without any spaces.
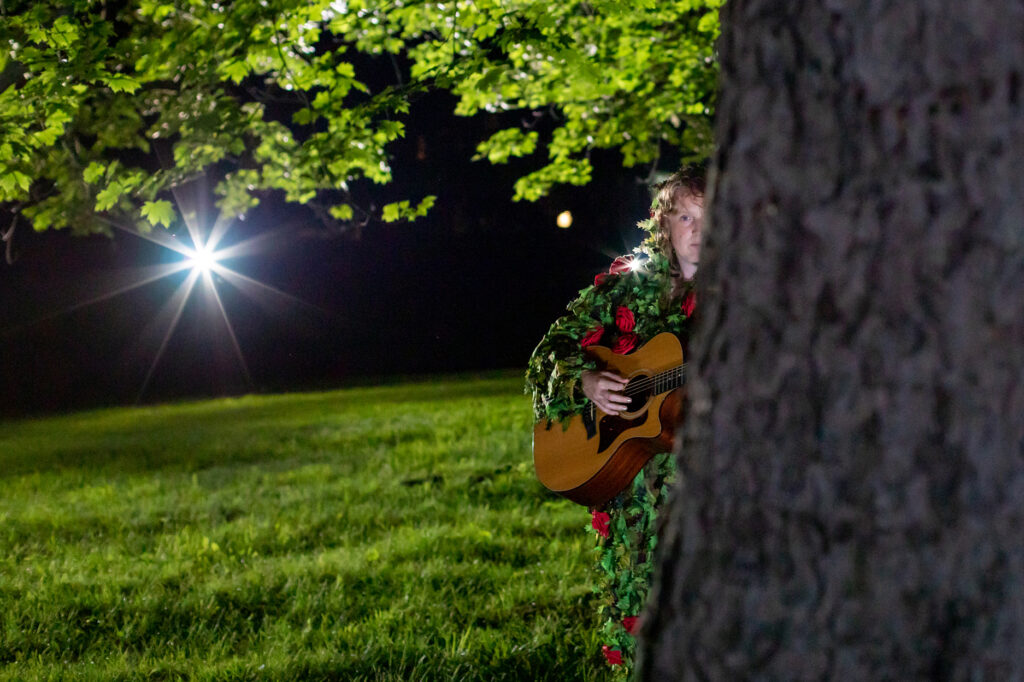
{"x":852,"y":467}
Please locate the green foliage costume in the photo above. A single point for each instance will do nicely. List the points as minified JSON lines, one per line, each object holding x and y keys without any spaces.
{"x":622,"y":310}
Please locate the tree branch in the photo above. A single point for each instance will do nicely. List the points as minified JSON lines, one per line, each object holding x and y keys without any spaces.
{"x":8,"y":238}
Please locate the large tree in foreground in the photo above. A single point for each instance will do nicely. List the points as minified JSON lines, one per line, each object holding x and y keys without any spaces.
{"x":851,"y":503}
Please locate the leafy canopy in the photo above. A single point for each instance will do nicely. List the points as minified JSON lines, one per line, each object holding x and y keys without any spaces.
{"x":106,"y":106}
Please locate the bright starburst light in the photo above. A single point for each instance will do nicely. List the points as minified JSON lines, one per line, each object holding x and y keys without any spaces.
{"x":204,"y":259}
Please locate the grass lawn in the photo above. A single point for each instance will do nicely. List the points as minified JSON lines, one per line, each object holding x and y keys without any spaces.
{"x":390,"y":533}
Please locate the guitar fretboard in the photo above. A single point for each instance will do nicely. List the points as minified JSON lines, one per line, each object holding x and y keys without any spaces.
{"x":661,"y":382}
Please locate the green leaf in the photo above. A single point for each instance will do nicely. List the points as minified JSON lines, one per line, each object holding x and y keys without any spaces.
{"x":235,"y":70}
{"x":93,"y":172}
{"x":109,"y":195}
{"x":23,"y":181}
{"x":392,"y":212}
{"x":403,"y":210}
{"x":122,"y":83}
{"x":159,"y":212}
{"x":8,"y":185}
{"x":342,"y":212}
{"x":506,"y":143}
{"x":47,"y":136}
{"x":425,"y":205}
{"x":708,"y":23}
{"x":64,"y":33}
{"x":489,"y":78}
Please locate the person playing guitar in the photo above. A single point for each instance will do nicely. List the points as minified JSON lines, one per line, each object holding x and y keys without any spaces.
{"x":640,"y":297}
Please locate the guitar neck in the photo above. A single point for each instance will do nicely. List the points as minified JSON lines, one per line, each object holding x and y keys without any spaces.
{"x":670,"y":379}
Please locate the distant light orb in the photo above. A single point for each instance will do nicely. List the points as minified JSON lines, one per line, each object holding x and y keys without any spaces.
{"x":636,"y":265}
{"x":564,"y":219}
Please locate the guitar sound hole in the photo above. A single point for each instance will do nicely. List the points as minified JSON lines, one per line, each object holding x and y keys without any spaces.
{"x":644,"y":389}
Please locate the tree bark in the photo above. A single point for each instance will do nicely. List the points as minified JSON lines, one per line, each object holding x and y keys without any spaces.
{"x":851,"y":495}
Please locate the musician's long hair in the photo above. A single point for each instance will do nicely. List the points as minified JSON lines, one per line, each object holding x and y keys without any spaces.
{"x":691,"y":179}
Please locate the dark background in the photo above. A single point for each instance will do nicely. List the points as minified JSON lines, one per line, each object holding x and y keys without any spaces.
{"x":472,"y":286}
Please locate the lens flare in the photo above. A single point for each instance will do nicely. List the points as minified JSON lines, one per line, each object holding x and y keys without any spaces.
{"x":203,"y":255}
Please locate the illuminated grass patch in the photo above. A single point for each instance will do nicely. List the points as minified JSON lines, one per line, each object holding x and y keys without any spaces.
{"x":392,"y":533}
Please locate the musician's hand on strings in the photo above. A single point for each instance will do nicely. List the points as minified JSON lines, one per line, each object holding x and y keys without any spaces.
{"x":605,"y":390}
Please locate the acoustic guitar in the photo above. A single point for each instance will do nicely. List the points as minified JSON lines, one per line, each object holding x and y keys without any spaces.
{"x":593,"y":457}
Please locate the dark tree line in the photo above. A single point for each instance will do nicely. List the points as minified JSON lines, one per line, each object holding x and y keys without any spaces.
{"x":851,"y":504}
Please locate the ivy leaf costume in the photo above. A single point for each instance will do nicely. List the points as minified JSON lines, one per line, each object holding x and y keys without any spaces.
{"x":636,"y":300}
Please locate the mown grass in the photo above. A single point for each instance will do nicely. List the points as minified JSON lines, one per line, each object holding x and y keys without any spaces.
{"x":392,"y":533}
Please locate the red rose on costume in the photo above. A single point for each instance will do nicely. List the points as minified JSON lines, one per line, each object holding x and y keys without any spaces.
{"x":592,"y":337}
{"x":621,"y":265}
{"x":624,"y":319}
{"x":629,"y":622}
{"x":625,"y":343}
{"x":600,"y":278}
{"x":614,"y":656}
{"x":599,"y":522}
{"x":689,"y":303}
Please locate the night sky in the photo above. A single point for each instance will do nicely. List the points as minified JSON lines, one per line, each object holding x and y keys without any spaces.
{"x":472,"y":286}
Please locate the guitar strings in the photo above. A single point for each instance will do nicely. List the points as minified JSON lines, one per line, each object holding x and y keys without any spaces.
{"x":642,"y":385}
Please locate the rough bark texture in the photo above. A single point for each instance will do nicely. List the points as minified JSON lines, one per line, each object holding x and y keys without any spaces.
{"x":853,"y":462}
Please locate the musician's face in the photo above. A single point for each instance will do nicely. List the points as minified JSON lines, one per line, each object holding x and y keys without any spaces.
{"x":686,"y":228}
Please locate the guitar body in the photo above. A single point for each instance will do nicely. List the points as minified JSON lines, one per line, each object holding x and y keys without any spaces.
{"x":593,"y":459}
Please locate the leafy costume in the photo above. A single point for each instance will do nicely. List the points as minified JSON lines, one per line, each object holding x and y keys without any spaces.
{"x":622,"y":310}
